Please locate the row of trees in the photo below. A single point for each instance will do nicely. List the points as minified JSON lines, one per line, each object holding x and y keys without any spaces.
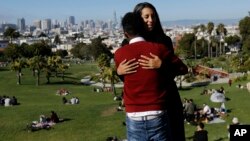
{"x":38,"y":57}
{"x":91,"y":51}
{"x":208,"y":42}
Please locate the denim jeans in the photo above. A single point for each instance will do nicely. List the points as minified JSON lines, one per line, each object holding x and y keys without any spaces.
{"x":156,"y":129}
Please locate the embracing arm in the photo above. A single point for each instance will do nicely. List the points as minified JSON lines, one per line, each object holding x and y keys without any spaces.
{"x":173,"y":64}
{"x":150,"y":63}
{"x":127,"y":67}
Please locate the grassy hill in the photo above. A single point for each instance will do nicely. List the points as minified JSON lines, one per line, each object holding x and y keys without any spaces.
{"x":95,"y":118}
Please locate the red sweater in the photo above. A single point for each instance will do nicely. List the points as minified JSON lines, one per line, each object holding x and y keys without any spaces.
{"x":144,"y":90}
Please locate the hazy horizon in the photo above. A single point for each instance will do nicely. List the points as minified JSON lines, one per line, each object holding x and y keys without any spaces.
{"x":168,"y":10}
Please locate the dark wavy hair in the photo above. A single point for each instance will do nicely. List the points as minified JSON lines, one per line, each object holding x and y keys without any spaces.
{"x":157,"y":34}
{"x":157,"y":27}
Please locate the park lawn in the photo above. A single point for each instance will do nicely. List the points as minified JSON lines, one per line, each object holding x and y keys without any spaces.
{"x":95,"y":118}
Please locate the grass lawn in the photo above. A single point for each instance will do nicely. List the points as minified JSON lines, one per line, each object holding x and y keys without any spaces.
{"x":95,"y":118}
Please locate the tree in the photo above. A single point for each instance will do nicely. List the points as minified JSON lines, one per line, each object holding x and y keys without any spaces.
{"x":61,"y":53}
{"x":103,"y":61}
{"x":110,"y":75}
{"x":41,"y":49}
{"x":185,"y":46}
{"x":81,"y":50}
{"x":54,"y":62}
{"x":240,"y":63}
{"x":27,"y":50}
{"x":214,"y":44}
{"x":232,"y":40}
{"x":17,"y":66}
{"x":97,"y":48}
{"x":244,"y":27}
{"x":37,"y":63}
{"x":57,"y":40}
{"x":13,"y":51}
{"x":246,"y":45}
{"x":62,"y":68}
{"x":210,"y":28}
{"x":221,"y":31}
{"x":11,"y":33}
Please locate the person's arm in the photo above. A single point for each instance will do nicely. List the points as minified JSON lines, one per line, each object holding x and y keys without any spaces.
{"x":150,"y":63}
{"x":175,"y":64}
{"x":127,"y":67}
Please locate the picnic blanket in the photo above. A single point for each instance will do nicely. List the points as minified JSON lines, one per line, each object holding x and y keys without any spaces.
{"x":216,"y":120}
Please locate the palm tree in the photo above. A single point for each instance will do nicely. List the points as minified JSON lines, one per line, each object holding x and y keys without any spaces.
{"x":53,"y":62}
{"x":109,"y":74}
{"x":37,"y":63}
{"x":103,"y":61}
{"x":210,"y":28}
{"x":214,"y":44}
{"x":221,"y":31}
{"x":62,"y":68}
{"x":17,"y":66}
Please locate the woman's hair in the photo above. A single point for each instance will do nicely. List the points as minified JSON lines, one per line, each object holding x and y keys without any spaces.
{"x":157,"y":34}
{"x":157,"y":30}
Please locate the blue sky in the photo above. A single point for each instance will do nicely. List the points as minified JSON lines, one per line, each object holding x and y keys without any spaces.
{"x":31,"y":10}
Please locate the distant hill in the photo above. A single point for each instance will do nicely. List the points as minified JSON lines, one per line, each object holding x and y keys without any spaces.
{"x":191,"y":22}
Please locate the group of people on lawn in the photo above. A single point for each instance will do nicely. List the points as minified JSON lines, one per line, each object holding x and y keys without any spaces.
{"x":193,"y":114}
{"x":8,"y":101}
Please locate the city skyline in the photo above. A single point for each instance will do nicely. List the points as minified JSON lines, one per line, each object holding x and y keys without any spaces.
{"x":30,"y":10}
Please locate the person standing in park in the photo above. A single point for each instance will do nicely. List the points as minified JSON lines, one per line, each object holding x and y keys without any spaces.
{"x":144,"y":97}
{"x":152,"y":31}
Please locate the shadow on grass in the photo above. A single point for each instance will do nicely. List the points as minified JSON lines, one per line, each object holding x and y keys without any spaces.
{"x":229,"y":110}
{"x":64,"y":119}
{"x":64,"y":83}
{"x":190,"y":138}
{"x":227,"y":99}
{"x":221,"y":139}
{"x":4,"y":69}
{"x":185,"y":88}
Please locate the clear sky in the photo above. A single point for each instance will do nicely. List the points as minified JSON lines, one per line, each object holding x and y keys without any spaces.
{"x":31,"y":10}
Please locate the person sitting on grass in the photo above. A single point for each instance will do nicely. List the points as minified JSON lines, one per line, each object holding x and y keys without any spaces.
{"x":205,"y":112}
{"x":65,"y":101}
{"x":54,"y":118}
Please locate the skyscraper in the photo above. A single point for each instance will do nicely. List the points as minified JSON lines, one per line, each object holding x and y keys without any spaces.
{"x":46,"y":24}
{"x":37,"y":24}
{"x":115,"y":23}
{"x":115,"y":18}
{"x":21,"y":24}
{"x":71,"y":20}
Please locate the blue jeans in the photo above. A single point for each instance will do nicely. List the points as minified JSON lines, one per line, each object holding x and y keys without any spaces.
{"x":156,"y":129}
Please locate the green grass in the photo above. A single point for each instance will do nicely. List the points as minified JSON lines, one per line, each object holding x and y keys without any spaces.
{"x":95,"y":118}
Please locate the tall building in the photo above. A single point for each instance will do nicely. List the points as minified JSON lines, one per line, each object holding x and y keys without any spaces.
{"x":71,"y":20}
{"x":37,"y":24}
{"x":46,"y":24}
{"x":21,"y":24}
{"x":115,"y":19}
